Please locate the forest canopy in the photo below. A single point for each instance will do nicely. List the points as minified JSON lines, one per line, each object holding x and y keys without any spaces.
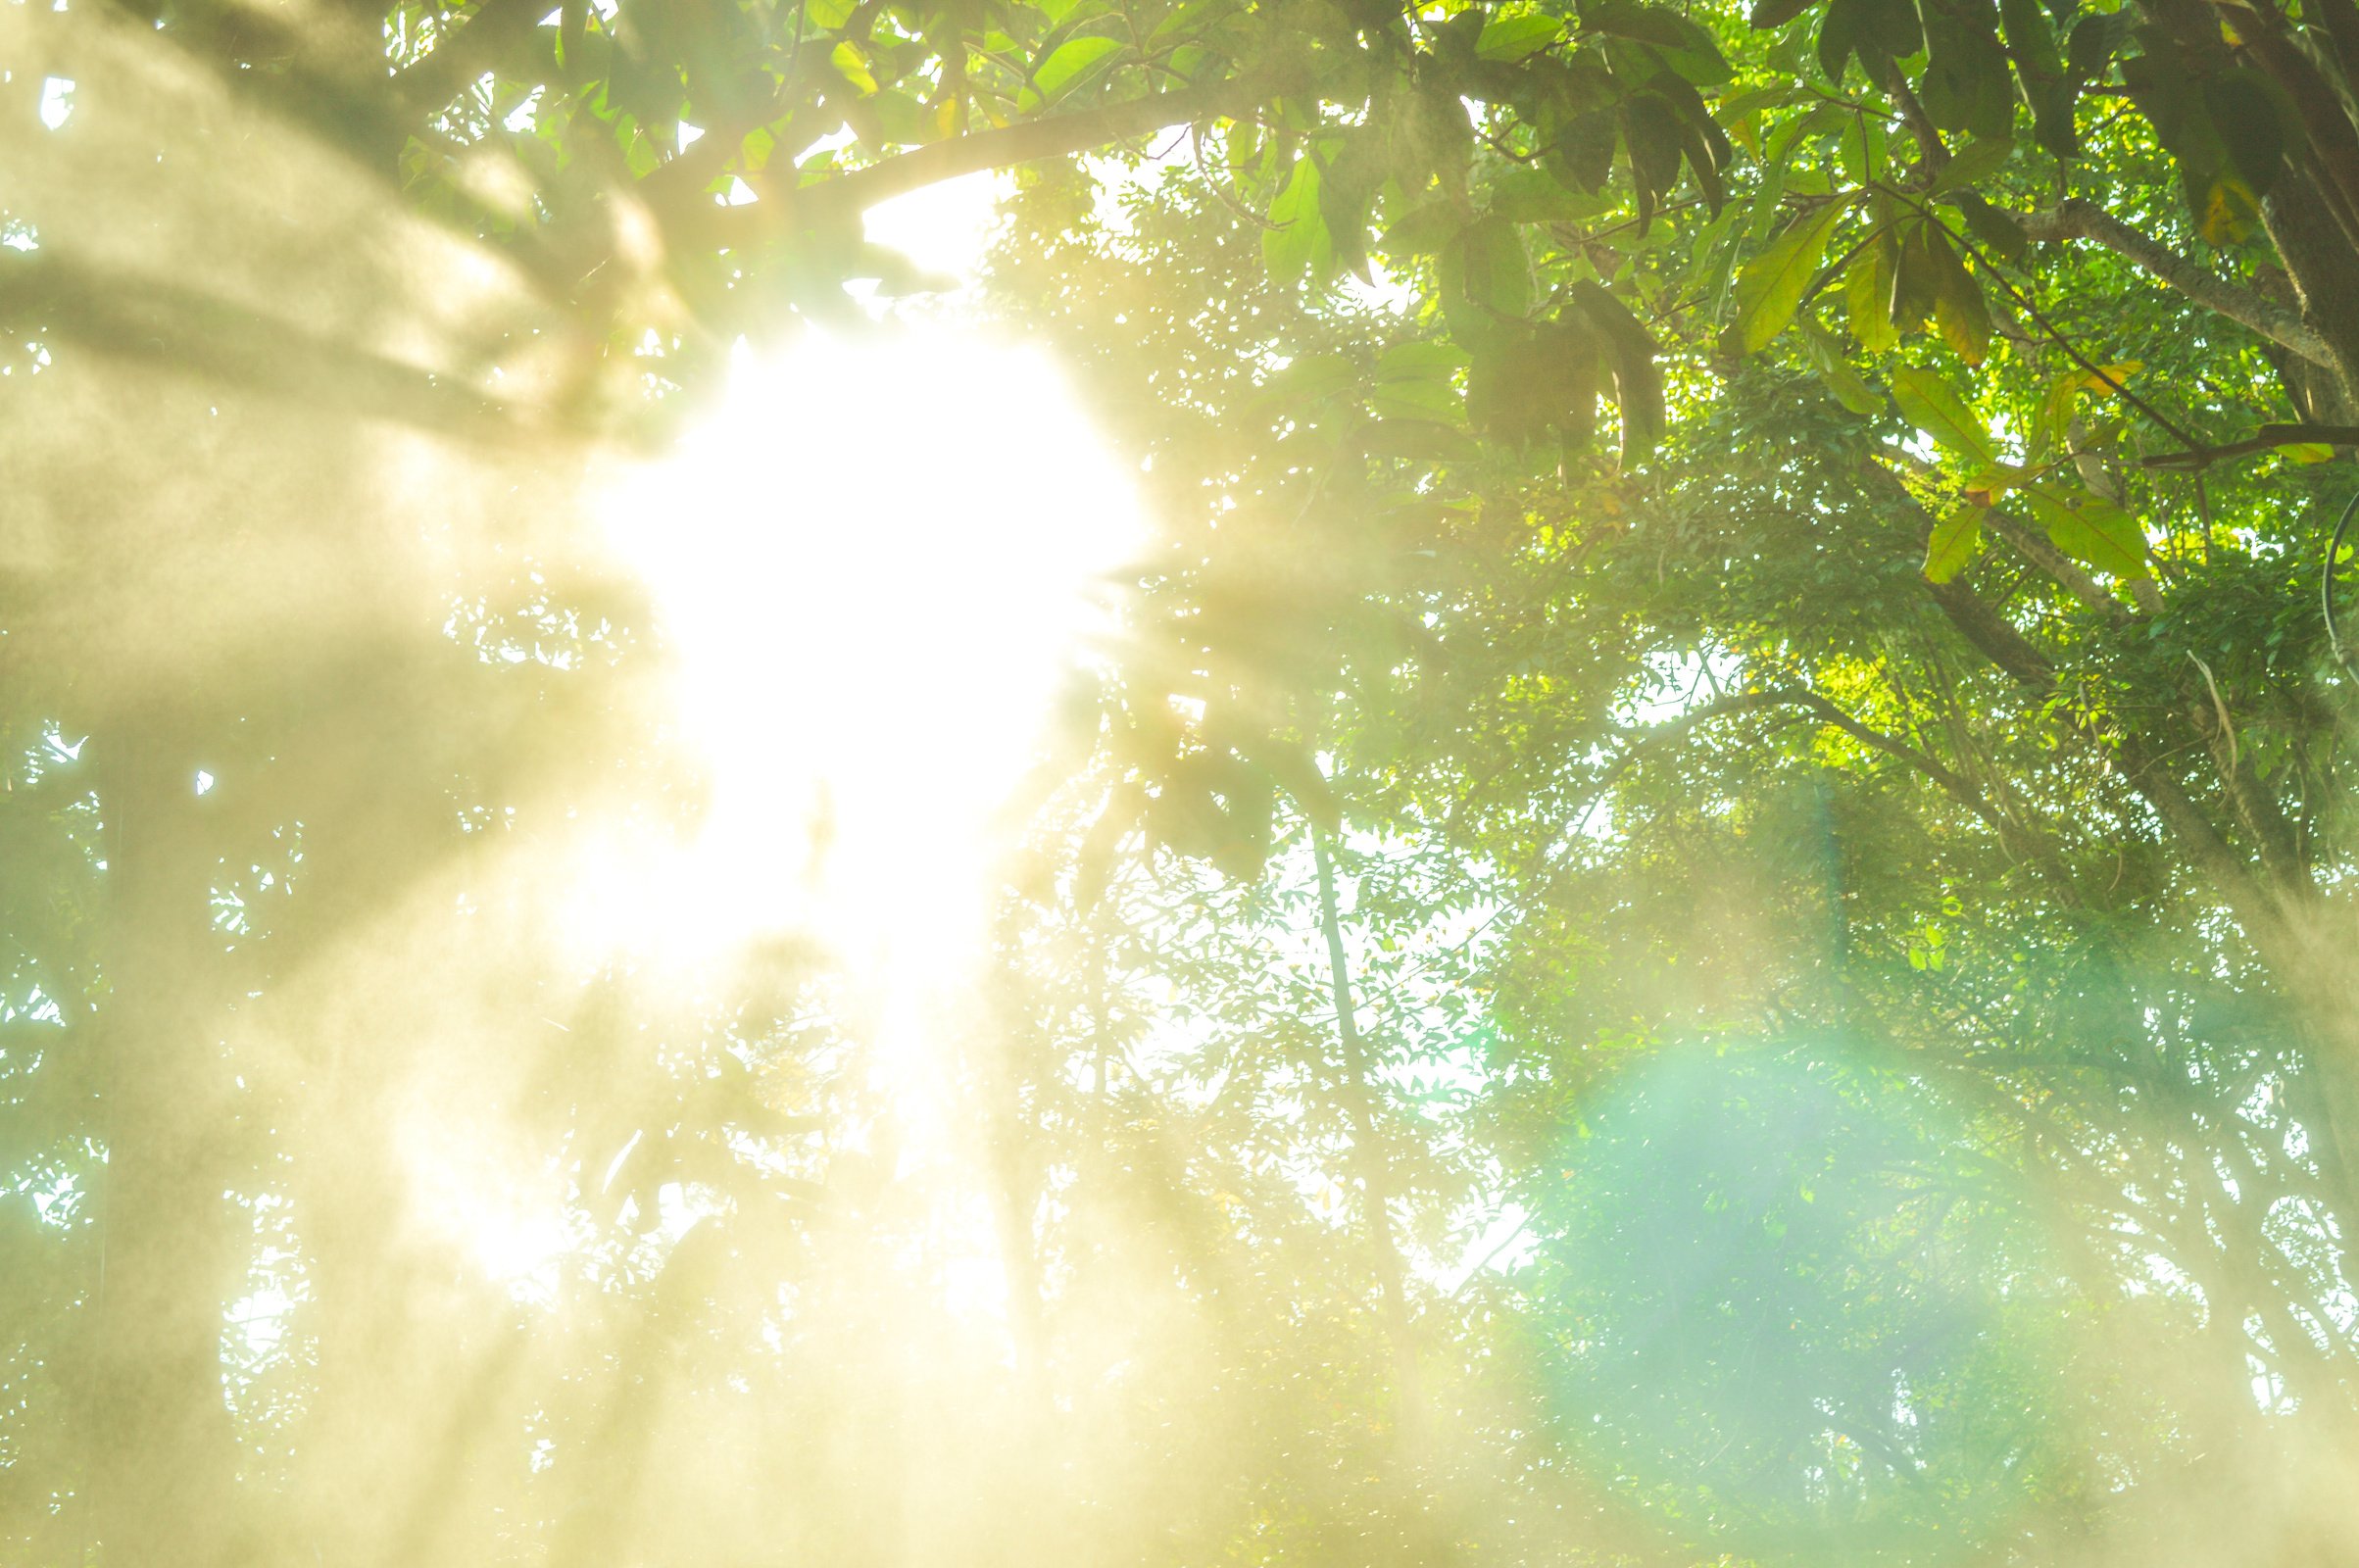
{"x":1561,"y":783}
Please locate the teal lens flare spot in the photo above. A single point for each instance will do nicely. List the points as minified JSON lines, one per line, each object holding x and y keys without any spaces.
{"x":1784,"y":1304}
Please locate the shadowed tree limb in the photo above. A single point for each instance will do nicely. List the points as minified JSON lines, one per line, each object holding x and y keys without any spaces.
{"x":2270,"y":437}
{"x":1057,"y":136}
{"x":491,"y":34}
{"x":2074,"y":218}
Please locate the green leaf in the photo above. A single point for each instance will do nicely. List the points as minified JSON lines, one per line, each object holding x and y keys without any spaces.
{"x":853,"y":66}
{"x":2032,"y":41}
{"x":1971,"y":165}
{"x":1769,"y":291}
{"x":1347,"y":184}
{"x":1523,"y":381}
{"x":1936,"y":409}
{"x":1184,"y":19}
{"x":1508,"y":38}
{"x":1658,"y":26}
{"x":1861,"y":148}
{"x":2091,"y":528}
{"x":1868,"y":294}
{"x":2246,"y":118}
{"x":1297,"y":774}
{"x":2091,"y":45}
{"x":1528,"y":196}
{"x":1638,"y":380}
{"x":1582,"y":152}
{"x":1768,"y":13}
{"x":1415,"y":440}
{"x":1488,"y":268}
{"x":1965,"y":86}
{"x":1433,"y":139}
{"x":1657,"y":143}
{"x":1423,"y":230}
{"x":1417,"y":382}
{"x":1958,"y":305}
{"x":1295,"y":243}
{"x":1071,"y":62}
{"x":1848,"y":388}
{"x":1958,"y":538}
{"x":1423,"y":358}
{"x":1997,"y":230}
{"x":1686,"y":47}
{"x":1838,"y":36}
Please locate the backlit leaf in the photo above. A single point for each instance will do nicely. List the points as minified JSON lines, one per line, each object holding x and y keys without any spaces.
{"x":1868,"y":294}
{"x":1956,"y":539}
{"x":1936,"y":409}
{"x":1847,"y":386}
{"x":1071,"y":60}
{"x":1769,"y":291}
{"x":1297,"y":236}
{"x":1507,"y":38}
{"x":2091,"y":528}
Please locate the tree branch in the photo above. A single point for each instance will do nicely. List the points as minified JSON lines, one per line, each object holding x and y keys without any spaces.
{"x":1900,"y":751}
{"x":2334,"y":140}
{"x":2074,"y":218}
{"x":2056,"y":564}
{"x":1827,"y":713}
{"x":2256,"y":906}
{"x":1056,"y":136}
{"x":492,"y":31}
{"x":1913,"y":115}
{"x":2271,"y":436}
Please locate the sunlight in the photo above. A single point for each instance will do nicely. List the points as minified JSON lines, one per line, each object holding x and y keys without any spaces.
{"x":876,"y":566}
{"x":876,"y":563}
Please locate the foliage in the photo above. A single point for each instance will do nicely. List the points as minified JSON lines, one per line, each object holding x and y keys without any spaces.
{"x":1702,"y":919}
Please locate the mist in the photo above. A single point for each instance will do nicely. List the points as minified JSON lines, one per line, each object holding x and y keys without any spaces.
{"x":652,"y":913}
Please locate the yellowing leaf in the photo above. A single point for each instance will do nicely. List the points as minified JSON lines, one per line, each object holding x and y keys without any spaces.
{"x":2306,"y":452}
{"x":1958,"y":306}
{"x":2228,"y":208}
{"x":1993,"y":483}
{"x":2057,"y":411}
{"x":1769,"y":291}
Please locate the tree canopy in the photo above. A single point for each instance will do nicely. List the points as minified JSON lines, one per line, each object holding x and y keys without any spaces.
{"x":1700,"y":913}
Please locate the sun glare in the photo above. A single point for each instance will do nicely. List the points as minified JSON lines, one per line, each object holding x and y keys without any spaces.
{"x":875,"y":564}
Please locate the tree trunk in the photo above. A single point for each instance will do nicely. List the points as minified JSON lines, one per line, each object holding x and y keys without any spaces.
{"x":2323,"y":270}
{"x":1426,"y":1539}
{"x":163,"y":1471}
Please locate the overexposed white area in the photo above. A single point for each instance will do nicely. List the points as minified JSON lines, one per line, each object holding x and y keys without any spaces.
{"x":877,"y":564}
{"x":946,"y":227}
